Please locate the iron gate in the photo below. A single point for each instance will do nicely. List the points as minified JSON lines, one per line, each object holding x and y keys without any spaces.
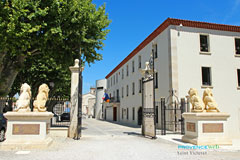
{"x":61,"y":109}
{"x":171,"y":115}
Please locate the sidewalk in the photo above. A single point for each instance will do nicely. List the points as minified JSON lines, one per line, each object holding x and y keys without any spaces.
{"x":177,"y":139}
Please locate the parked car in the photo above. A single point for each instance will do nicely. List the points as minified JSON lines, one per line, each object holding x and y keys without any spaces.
{"x":3,"y":127}
{"x":65,"y":117}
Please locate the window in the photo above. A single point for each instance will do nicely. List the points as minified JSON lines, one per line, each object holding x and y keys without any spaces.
{"x":116,"y":78}
{"x":114,"y":94}
{"x":140,"y":86}
{"x":206,"y":76}
{"x":127,"y":70}
{"x":133,"y":113}
{"x":139,"y":62}
{"x":132,"y":66}
{"x":133,"y":88}
{"x":122,"y":92}
{"x":117,"y":96}
{"x":238,"y":75}
{"x":111,"y":81}
{"x":156,"y":80}
{"x":122,"y":73}
{"x":155,"y":51}
{"x":237,"y":45}
{"x":127,"y":113}
{"x":108,"y":83}
{"x":204,"y":43}
{"x":127,"y":90}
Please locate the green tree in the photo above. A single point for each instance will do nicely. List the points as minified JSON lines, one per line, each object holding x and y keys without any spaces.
{"x":40,"y":70}
{"x":58,"y":29}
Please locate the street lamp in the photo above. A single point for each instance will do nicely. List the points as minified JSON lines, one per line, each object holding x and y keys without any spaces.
{"x":79,"y":115}
{"x":51,"y":84}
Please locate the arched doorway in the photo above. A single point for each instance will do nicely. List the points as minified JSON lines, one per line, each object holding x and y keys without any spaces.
{"x":140,"y":116}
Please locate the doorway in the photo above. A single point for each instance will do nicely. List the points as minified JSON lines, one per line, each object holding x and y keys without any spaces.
{"x":114,"y":113}
{"x":140,"y":116}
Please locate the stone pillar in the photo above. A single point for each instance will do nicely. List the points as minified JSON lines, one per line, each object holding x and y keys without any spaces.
{"x":74,"y":99}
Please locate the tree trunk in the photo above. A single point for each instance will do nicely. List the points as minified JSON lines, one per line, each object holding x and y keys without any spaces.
{"x":2,"y":56}
{"x":10,"y":69}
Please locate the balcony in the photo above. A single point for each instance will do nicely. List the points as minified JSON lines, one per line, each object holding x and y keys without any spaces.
{"x":115,"y":100}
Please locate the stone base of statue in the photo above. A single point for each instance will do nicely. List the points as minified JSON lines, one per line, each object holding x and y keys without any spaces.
{"x":206,"y":128}
{"x":29,"y":130}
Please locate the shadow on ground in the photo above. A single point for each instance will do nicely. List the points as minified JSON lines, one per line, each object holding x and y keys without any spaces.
{"x":176,"y":139}
{"x":123,"y":124}
{"x":132,"y":133}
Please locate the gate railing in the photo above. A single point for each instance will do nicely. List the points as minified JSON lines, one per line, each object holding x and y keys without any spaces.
{"x":7,"y":104}
{"x":61,"y":109}
{"x":171,"y":116}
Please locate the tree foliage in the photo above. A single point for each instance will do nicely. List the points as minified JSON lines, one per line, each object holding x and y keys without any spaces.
{"x":52,"y":30}
{"x":40,"y":70}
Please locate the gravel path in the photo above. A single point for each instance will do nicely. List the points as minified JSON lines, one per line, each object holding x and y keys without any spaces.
{"x":108,"y":141}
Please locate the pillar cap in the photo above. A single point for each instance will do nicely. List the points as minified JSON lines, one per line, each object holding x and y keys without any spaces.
{"x":75,"y":68}
{"x":76,"y":63}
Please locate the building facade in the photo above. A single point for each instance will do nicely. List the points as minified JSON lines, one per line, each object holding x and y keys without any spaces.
{"x":88,"y":103}
{"x":187,"y":54}
{"x":100,"y":88}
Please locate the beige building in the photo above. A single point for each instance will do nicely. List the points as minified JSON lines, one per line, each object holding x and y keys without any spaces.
{"x":188,"y":54}
{"x":88,"y":103}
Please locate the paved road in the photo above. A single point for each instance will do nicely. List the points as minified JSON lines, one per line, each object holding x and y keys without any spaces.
{"x":107,"y":141}
{"x":93,"y":128}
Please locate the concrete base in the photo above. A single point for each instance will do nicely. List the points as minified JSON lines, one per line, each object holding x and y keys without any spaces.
{"x":26,"y":145}
{"x":209,"y":141}
{"x":206,"y":129}
{"x":59,"y":132}
{"x":27,"y":130}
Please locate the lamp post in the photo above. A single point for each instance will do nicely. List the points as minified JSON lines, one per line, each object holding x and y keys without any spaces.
{"x":51,"y":84}
{"x":154,"y":106}
{"x":79,"y":115}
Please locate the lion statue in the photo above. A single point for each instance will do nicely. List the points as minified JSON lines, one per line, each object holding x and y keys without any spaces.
{"x":196,"y":101}
{"x":210,"y":103}
{"x":40,"y":102}
{"x":23,"y":103}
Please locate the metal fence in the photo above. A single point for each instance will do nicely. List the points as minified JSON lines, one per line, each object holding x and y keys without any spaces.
{"x":171,"y":116}
{"x":7,"y":104}
{"x":61,"y":109}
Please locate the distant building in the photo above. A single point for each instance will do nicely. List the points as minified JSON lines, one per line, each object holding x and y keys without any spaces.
{"x":88,"y":103}
{"x":100,"y":87}
{"x":188,"y":54}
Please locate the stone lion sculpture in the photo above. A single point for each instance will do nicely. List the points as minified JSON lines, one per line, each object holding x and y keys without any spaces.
{"x":196,"y":101}
{"x":23,"y":103}
{"x":210,"y":103}
{"x":40,"y":102}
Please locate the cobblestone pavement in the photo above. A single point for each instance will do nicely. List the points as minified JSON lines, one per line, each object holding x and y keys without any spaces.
{"x":108,"y":141}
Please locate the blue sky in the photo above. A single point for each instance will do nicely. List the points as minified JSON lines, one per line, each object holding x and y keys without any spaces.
{"x":134,"y":20}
